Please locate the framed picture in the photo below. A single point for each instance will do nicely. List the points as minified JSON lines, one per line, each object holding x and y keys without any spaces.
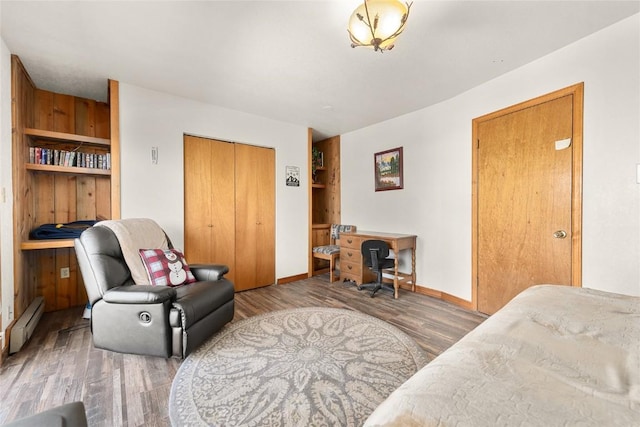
{"x":293,"y":176}
{"x":388,"y":169}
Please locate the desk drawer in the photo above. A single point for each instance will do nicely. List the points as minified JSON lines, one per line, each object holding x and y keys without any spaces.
{"x":347,"y":241}
{"x":350,"y":255}
{"x":350,"y":268}
{"x":356,"y":274}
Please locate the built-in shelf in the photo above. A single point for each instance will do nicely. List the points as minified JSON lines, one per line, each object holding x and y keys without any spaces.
{"x":67,"y":169}
{"x":29,"y":245}
{"x":67,"y":137}
{"x":318,"y":186}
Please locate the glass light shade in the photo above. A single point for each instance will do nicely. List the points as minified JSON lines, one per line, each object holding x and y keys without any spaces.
{"x":377,"y":23}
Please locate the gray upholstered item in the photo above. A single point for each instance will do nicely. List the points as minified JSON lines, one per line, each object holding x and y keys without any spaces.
{"x":69,"y":415}
{"x":144,"y":319}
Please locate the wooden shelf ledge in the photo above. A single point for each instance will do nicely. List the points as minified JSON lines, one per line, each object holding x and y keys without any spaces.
{"x":29,"y":245}
{"x":67,"y":169}
{"x":67,"y":137}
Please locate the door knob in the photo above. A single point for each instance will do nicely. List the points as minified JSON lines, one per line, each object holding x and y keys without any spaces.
{"x":560,"y":234}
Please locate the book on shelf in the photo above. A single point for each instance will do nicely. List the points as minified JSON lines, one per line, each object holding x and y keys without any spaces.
{"x":74,"y":158}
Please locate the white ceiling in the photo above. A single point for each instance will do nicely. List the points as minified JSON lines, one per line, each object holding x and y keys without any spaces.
{"x":290,"y":60}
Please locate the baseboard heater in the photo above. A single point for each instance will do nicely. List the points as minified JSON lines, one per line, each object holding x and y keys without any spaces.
{"x":26,"y":324}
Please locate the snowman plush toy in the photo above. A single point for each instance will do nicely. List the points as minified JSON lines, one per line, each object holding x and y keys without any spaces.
{"x":177,"y":275}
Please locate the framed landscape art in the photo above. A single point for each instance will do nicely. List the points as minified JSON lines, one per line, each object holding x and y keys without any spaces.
{"x":388,"y":169}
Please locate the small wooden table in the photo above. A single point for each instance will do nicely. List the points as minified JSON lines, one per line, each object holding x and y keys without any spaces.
{"x":352,"y":264}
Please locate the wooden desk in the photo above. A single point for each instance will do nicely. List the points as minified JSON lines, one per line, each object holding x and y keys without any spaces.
{"x":352,"y":266}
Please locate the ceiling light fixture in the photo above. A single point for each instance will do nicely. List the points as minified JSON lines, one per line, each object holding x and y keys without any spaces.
{"x":377,"y":23}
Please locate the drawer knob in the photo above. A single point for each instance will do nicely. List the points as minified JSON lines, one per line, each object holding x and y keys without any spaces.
{"x":349,"y":267}
{"x":349,"y":241}
{"x":349,"y":254}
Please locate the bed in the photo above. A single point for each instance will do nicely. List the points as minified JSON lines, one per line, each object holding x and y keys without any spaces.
{"x":554,"y":355}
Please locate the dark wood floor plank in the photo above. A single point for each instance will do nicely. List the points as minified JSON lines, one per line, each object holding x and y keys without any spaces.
{"x":60,"y":365}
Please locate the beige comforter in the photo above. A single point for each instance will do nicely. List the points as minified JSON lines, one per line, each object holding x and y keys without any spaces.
{"x":553,"y":356}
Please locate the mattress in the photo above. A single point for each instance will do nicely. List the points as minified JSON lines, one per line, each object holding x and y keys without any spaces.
{"x":554,"y":355}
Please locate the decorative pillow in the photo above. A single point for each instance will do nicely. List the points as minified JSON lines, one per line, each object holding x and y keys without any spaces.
{"x":166,"y":267}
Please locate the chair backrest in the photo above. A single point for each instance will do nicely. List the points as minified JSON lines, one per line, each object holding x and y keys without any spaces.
{"x":101,"y":262}
{"x":373,"y":251}
{"x":336,"y":229}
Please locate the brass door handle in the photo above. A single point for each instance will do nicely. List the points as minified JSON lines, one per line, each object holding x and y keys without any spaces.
{"x":560,"y":234}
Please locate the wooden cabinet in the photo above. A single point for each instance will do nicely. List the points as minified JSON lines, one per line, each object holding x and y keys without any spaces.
{"x":230,"y":209}
{"x":51,"y":186}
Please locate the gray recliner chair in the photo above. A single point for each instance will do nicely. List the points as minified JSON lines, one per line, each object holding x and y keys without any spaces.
{"x":69,"y":415}
{"x":143,"y":319}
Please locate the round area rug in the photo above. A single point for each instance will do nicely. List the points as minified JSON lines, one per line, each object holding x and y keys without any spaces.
{"x":301,"y":367}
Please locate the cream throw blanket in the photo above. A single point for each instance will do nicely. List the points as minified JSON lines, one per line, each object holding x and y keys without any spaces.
{"x":135,"y":234}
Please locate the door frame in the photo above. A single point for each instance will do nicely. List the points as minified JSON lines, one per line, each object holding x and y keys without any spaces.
{"x":577,"y":91}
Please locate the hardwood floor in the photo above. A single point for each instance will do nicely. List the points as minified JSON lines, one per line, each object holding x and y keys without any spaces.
{"x":60,"y":365}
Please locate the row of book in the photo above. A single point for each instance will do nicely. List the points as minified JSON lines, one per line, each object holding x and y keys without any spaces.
{"x":50,"y":156}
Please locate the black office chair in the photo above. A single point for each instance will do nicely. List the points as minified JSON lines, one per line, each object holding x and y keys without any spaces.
{"x":374,"y":254}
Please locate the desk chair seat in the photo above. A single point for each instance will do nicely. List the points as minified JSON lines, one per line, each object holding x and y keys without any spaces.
{"x":331,"y":252}
{"x":374,"y":255}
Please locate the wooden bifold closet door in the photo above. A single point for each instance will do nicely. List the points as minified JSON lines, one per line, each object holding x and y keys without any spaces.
{"x":230,"y":209}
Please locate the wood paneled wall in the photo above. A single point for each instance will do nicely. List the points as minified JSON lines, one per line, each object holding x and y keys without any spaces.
{"x":45,"y":197}
{"x":326,"y":201}
{"x":22,"y":113}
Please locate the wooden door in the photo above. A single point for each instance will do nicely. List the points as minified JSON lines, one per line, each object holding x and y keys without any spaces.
{"x":255,"y":217}
{"x":525,"y":200}
{"x":209,"y":205}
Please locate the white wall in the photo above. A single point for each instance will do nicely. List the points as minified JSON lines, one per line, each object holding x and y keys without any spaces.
{"x":435,"y":203}
{"x":153,"y":119}
{"x":6,"y":193}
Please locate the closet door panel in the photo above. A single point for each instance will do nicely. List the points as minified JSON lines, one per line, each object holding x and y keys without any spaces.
{"x":265,"y":232}
{"x":222,"y":197}
{"x":255,"y":205}
{"x":209,"y":202}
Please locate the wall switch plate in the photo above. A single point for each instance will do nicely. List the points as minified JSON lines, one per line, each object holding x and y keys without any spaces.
{"x":64,"y":272}
{"x":154,"y":155}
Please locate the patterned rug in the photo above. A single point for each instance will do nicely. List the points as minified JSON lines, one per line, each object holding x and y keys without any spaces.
{"x":300,"y":367}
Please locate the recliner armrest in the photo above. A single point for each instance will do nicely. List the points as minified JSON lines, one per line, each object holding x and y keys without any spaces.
{"x":205,"y":272}
{"x":139,"y":294}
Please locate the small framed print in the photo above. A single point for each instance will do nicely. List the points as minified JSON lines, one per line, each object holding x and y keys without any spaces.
{"x":293,"y":176}
{"x":388,"y":169}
